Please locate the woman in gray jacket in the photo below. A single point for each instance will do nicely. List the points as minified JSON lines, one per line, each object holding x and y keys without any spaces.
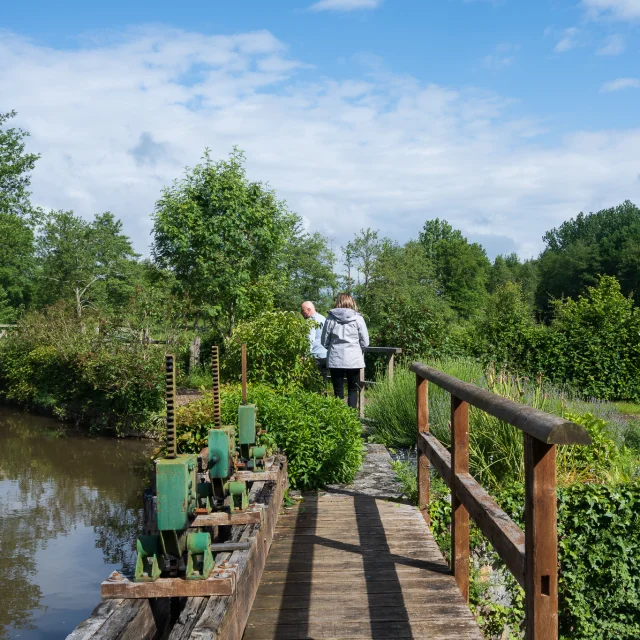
{"x":344,"y":335}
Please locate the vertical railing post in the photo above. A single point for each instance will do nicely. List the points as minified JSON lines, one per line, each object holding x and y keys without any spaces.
{"x":422,"y":401}
{"x":361,"y":393}
{"x":390,"y":357}
{"x":459,"y":514}
{"x":541,"y":540}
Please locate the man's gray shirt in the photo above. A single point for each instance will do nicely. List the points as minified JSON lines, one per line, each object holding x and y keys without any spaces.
{"x":315,"y":337}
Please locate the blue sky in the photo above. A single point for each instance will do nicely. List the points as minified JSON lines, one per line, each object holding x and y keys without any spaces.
{"x":504,"y":117}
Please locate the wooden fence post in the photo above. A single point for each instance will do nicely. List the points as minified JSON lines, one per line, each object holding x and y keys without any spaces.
{"x":422,"y":401}
{"x":361,"y":393}
{"x":541,"y":540}
{"x":459,"y":514}
{"x":390,"y":357}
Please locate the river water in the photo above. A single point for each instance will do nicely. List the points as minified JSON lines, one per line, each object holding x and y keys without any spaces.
{"x":70,"y":510}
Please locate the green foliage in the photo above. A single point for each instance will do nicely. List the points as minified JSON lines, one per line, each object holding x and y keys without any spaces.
{"x":84,"y":262}
{"x":599,"y":551}
{"x":507,"y":334}
{"x":222,"y":236}
{"x":307,"y":271}
{"x":588,"y":246}
{"x":320,"y":435}
{"x":277,"y":351}
{"x":15,"y":169}
{"x":403,"y":306}
{"x":53,"y":362}
{"x":391,"y":409}
{"x":593,"y":343}
{"x":17,"y":260}
{"x":461,"y":268}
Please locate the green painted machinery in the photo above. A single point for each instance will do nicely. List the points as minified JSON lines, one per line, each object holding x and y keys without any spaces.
{"x":252,"y":455}
{"x":222,"y":454}
{"x":178,"y":497}
{"x":247,"y":431}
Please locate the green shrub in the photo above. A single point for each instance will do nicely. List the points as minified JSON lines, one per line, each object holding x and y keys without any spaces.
{"x":277,"y":351}
{"x":594,"y":344}
{"x":599,"y":552}
{"x":54,"y":362}
{"x":320,"y":435}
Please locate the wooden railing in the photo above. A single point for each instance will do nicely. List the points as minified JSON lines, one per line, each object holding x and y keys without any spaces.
{"x":532,"y":555}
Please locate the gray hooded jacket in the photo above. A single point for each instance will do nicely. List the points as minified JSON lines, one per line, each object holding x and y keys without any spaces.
{"x":344,"y":335}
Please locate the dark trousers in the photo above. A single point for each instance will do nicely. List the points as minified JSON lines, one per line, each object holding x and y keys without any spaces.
{"x":353,"y":377}
{"x":322,"y":366}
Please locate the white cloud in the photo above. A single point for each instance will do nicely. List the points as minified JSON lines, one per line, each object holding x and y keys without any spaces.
{"x":569,"y":40}
{"x":344,"y":5}
{"x":116,"y":121}
{"x":621,"y":83}
{"x":622,"y":9}
{"x":613,"y":46}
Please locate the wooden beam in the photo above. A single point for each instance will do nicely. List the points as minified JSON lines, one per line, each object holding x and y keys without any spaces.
{"x":253,"y":515}
{"x":541,"y":541}
{"x":504,"y":534}
{"x":459,"y":513}
{"x":422,"y":403}
{"x":542,"y":426}
{"x":221,"y":583}
{"x":256,"y":476}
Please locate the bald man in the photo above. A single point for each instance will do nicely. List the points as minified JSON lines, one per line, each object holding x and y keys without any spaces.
{"x":308,"y":310}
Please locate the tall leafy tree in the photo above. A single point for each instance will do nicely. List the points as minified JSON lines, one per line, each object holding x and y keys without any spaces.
{"x":222,"y":236}
{"x":307,"y":269}
{"x":16,"y":219}
{"x":590,"y":245}
{"x":362,"y":253}
{"x":507,"y":269}
{"x":403,"y":306}
{"x":461,"y":268}
{"x":86,"y":262}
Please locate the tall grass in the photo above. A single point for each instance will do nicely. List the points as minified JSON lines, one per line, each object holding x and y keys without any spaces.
{"x":495,"y":447}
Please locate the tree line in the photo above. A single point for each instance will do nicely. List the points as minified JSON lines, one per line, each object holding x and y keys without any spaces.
{"x":225,"y":249}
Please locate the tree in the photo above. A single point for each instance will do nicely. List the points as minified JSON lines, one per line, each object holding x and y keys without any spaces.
{"x":582,"y":249}
{"x":362,"y":252}
{"x":16,"y":215}
{"x":307,"y":269}
{"x":222,"y":236}
{"x":15,"y":168}
{"x":461,"y":269}
{"x":506,"y":269}
{"x":83,"y":260}
{"x":403,"y":306}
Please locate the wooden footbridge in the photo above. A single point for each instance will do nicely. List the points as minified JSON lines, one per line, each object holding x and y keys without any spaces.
{"x":342,"y":564}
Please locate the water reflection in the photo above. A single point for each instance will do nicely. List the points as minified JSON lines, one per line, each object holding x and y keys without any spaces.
{"x":70,"y":509}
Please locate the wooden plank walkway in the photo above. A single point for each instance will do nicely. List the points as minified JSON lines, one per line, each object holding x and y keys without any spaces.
{"x":348,"y":565}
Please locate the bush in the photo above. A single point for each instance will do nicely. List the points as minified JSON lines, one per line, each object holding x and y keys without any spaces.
{"x":594,"y":344}
{"x":53,"y":362}
{"x":277,"y":351}
{"x":320,"y":436}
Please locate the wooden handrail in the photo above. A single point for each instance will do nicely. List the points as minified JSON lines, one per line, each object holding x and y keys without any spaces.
{"x":542,"y":426}
{"x":532,"y":555}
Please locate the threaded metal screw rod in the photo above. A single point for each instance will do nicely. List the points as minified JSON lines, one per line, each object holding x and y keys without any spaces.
{"x":215,"y":373}
{"x":170,"y":397}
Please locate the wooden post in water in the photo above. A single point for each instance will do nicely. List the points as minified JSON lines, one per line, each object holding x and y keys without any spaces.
{"x":422,"y":401}
{"x":541,"y":540}
{"x":459,"y":513}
